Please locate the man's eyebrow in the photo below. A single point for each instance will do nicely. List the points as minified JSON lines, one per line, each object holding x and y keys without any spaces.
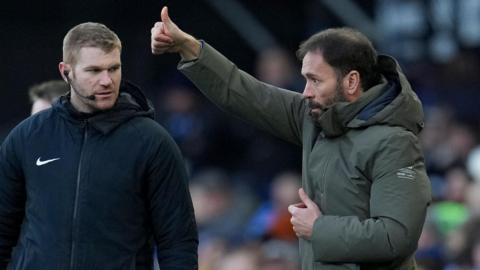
{"x":101,"y":67}
{"x":310,"y":75}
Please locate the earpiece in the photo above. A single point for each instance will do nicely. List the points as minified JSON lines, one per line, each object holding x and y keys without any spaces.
{"x":65,"y":73}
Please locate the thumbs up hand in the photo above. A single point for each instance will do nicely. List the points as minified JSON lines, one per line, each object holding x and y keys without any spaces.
{"x":166,"y":36}
{"x":304,"y":215}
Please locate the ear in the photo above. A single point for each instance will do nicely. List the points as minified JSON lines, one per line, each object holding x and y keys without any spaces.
{"x":352,"y":85}
{"x":64,"y":70}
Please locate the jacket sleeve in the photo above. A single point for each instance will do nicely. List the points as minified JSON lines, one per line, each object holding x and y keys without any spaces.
{"x":277,"y":111}
{"x":400,"y":194}
{"x":171,"y":208}
{"x":12,"y":198}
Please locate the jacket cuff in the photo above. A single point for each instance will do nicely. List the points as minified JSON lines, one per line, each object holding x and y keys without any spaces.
{"x":187,"y":63}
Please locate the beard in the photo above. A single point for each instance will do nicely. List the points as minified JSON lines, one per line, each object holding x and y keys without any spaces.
{"x":317,"y":109}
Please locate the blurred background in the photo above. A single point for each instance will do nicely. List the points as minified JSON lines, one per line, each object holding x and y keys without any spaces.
{"x":242,"y":179}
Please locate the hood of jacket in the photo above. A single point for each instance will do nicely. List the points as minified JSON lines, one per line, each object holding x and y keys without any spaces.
{"x":131,"y":103}
{"x":392,"y":102}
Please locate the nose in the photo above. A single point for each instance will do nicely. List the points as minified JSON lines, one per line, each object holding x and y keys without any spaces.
{"x":307,"y":92}
{"x":105,"y":78}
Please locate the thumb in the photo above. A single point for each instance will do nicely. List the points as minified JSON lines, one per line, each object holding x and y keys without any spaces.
{"x":304,"y":197}
{"x":164,"y":15}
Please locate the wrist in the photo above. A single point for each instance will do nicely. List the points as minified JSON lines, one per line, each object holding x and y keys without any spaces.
{"x":190,"y":49}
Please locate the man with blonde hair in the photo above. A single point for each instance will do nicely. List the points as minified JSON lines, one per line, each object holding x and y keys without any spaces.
{"x":94,"y":182}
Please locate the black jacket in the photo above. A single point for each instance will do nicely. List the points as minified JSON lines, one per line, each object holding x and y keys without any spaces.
{"x":94,"y":191}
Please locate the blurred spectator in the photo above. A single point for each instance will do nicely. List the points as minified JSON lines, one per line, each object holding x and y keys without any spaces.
{"x":476,"y":254}
{"x":461,"y":142}
{"x":446,"y":142}
{"x":211,"y":252}
{"x":465,"y":255}
{"x":246,"y":258}
{"x":277,"y":264}
{"x":221,"y":209}
{"x":472,"y":199}
{"x":271,"y":255}
{"x":276,"y":67}
{"x":42,"y":95}
{"x":457,"y":184}
{"x":451,"y":212}
{"x":430,"y":253}
{"x":180,"y":113}
{"x":272,"y":219}
{"x":279,"y":255}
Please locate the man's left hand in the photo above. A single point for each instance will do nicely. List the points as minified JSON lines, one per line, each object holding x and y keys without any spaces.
{"x":304,"y":215}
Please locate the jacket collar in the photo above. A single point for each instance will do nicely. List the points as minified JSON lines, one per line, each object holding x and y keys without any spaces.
{"x":131,"y":103}
{"x":392,"y":102}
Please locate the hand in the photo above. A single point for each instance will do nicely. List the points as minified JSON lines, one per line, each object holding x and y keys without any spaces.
{"x":167,"y":37}
{"x":304,"y":215}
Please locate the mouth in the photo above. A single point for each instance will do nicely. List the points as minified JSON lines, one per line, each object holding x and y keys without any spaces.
{"x":316,"y":109}
{"x":104,"y":94}
{"x":314,"y":106}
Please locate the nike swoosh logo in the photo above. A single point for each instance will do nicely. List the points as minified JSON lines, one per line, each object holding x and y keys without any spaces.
{"x":43,"y":162}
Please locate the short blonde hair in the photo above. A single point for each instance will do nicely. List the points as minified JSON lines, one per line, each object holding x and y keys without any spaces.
{"x":89,"y":34}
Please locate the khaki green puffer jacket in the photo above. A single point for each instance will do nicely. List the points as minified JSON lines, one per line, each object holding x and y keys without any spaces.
{"x":362,"y":162}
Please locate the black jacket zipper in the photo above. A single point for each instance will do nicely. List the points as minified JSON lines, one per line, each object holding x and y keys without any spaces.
{"x":75,"y":206}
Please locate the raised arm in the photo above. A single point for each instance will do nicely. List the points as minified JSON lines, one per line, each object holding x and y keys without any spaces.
{"x":277,"y":111}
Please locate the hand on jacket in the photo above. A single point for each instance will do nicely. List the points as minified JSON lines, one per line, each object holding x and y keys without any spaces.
{"x":167,"y":37}
{"x":304,"y":215}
